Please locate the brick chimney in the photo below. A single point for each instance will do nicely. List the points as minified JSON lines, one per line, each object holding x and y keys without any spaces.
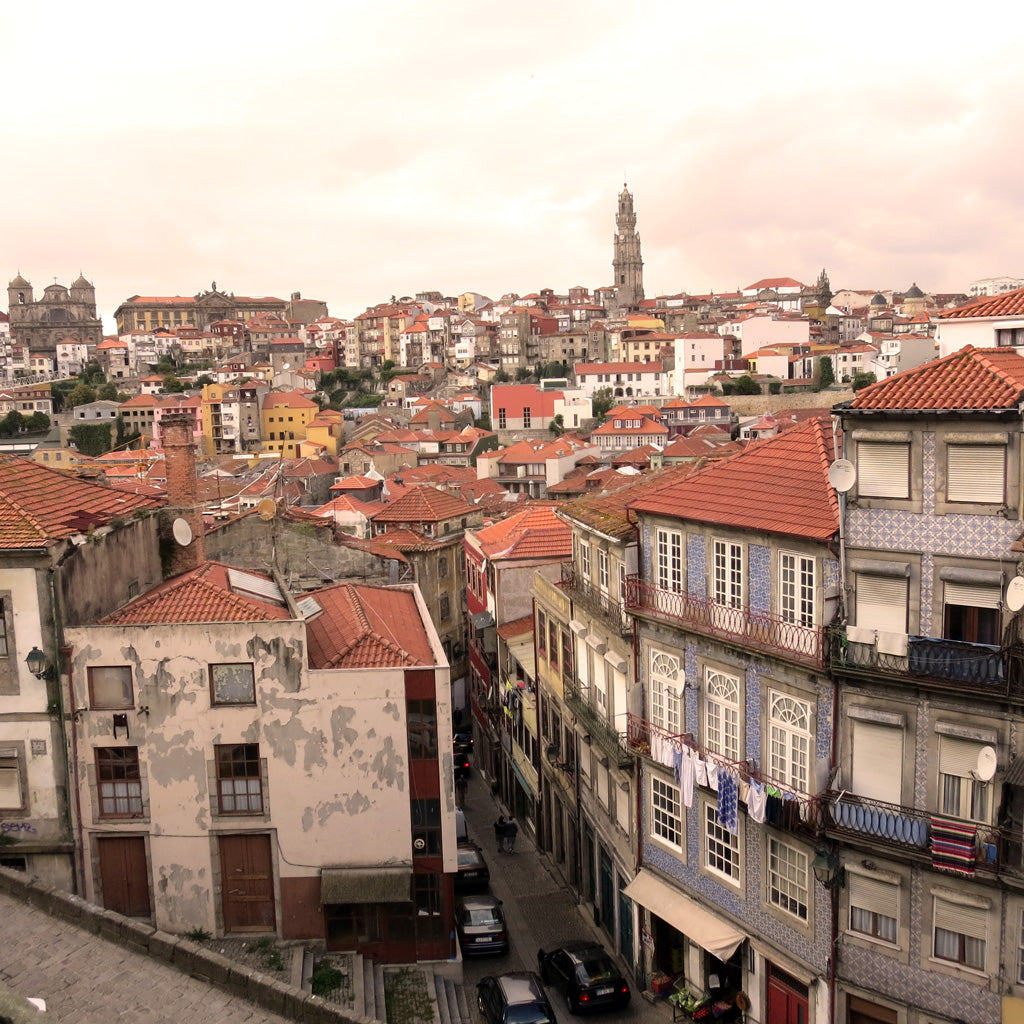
{"x":176,"y":431}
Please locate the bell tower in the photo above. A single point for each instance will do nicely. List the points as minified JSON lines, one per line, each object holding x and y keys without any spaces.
{"x":627,"y":263}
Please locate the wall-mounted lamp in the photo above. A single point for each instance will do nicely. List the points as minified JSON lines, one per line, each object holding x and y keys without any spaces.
{"x":36,"y":662}
{"x":827,"y":869}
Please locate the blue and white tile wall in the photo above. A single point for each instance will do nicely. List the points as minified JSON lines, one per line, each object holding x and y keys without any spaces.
{"x":696,"y":565}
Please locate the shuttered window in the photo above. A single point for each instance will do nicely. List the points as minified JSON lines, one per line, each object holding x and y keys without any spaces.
{"x":882,"y":602}
{"x":961,"y":796}
{"x":883,"y":469}
{"x":976,"y":472}
{"x":10,"y":781}
{"x":874,"y":907}
{"x":972,"y":596}
{"x":960,"y":932}
{"x":877,"y":761}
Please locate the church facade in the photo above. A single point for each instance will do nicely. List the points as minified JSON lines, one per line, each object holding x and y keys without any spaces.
{"x":61,"y":314}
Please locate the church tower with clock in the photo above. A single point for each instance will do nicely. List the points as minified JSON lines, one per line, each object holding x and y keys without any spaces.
{"x":628,"y":264}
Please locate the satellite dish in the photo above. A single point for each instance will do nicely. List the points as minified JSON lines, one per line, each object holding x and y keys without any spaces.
{"x":842,"y":475}
{"x":267,"y":509}
{"x":1015,"y":594}
{"x":182,"y":532}
{"x":286,"y":366}
{"x":986,"y":766}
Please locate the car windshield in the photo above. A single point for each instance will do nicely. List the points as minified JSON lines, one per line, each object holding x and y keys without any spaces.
{"x":528,"y":1013}
{"x":593,"y":971}
{"x":468,"y":858}
{"x":480,"y":916}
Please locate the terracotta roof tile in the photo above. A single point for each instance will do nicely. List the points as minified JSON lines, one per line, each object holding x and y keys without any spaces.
{"x":535,"y":532}
{"x":1007,"y":304}
{"x":987,"y":378}
{"x":779,"y":486}
{"x":423,"y":505}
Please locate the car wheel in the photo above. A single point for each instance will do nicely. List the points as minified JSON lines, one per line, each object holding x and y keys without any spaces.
{"x":570,"y":1004}
{"x":480,"y":1007}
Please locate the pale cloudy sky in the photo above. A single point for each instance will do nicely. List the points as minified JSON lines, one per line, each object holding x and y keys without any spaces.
{"x":358,"y":150}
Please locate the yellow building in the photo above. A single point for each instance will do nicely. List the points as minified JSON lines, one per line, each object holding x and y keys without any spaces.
{"x":323,"y":435}
{"x":285,"y":419}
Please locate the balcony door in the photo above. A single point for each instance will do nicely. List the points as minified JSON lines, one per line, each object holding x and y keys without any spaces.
{"x":971,"y":613}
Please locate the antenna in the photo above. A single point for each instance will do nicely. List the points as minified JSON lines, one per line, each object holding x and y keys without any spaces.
{"x":1015,"y":594}
{"x":182,"y":532}
{"x":842,"y":475}
{"x":986,"y":766}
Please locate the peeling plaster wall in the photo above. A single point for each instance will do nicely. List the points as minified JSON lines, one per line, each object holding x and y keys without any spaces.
{"x":333,"y":745}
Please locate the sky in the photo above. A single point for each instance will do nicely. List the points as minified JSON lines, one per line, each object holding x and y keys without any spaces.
{"x":358,"y":150}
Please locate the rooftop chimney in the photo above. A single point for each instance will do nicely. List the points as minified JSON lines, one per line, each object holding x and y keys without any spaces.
{"x":176,"y":430}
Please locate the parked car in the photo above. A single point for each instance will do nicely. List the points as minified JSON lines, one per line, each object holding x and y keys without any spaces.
{"x":472,"y":874}
{"x":586,"y":975}
{"x":462,"y":741}
{"x":480,"y":925}
{"x":514,"y":998}
{"x":461,"y":762}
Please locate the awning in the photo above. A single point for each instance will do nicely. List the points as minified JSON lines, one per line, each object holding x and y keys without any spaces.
{"x":522,"y":651}
{"x":365,"y":885}
{"x":708,"y":930}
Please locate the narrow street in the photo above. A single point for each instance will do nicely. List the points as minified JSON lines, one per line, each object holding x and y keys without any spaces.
{"x":541,"y":913}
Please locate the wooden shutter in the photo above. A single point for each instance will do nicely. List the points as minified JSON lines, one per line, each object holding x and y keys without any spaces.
{"x":882,"y":602}
{"x":976,"y":472}
{"x":874,"y":895}
{"x":961,"y":918}
{"x":972,"y":596}
{"x":883,"y":470}
{"x":877,"y":761}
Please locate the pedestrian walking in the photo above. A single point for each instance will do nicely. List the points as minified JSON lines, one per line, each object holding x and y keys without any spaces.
{"x":461,"y":785}
{"x":511,"y":831}
{"x":499,"y":832}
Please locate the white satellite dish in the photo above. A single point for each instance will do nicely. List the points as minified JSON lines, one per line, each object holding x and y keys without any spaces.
{"x":842,"y":475}
{"x":986,"y":766}
{"x":1015,"y":594}
{"x":182,"y":532}
{"x":286,"y":366}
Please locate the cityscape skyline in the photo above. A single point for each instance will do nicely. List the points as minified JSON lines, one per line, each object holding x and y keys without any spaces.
{"x":486,"y":148}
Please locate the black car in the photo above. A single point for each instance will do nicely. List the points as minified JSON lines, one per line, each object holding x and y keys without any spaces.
{"x":462,"y":741}
{"x":514,"y":998}
{"x":461,"y":764}
{"x":472,"y":875}
{"x":481,"y":926}
{"x":586,"y":974}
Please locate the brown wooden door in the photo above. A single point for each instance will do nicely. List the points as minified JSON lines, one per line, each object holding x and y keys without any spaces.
{"x":124,"y":875}
{"x":247,"y":884}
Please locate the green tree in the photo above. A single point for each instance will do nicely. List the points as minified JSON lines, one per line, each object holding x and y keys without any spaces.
{"x":501,"y":377}
{"x":522,"y":374}
{"x":92,"y":439}
{"x":746,"y":385}
{"x":107,"y":392}
{"x":557,"y":425}
{"x":38,"y":422}
{"x":81,"y":394}
{"x":862,"y":380}
{"x":124,"y":436}
{"x":12,"y":424}
{"x":601,"y":402}
{"x":172,"y":385}
{"x":826,"y":374}
{"x":775,"y":388}
{"x":205,"y":380}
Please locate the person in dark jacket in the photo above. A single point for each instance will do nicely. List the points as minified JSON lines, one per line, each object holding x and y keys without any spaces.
{"x":499,"y":832}
{"x":511,"y":831}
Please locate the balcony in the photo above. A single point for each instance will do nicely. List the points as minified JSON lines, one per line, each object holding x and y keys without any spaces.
{"x":759,"y":630}
{"x":601,"y":731}
{"x":974,"y":668}
{"x":595,"y":600}
{"x":799,"y":812}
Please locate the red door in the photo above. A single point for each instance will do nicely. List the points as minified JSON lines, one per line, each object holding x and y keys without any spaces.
{"x":124,"y":875}
{"x":787,"y":998}
{"x":247,"y":884}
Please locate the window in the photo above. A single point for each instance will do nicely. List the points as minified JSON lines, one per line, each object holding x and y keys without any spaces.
{"x":960,"y":795}
{"x":3,"y":628}
{"x":111,"y":687}
{"x":11,"y":798}
{"x":1020,"y":951}
{"x":666,"y":684}
{"x":526,"y":415}
{"x":119,"y":782}
{"x":976,"y":473}
{"x":542,"y":632}
{"x":670,"y":560}
{"x":501,"y":419}
{"x":877,"y":761}
{"x":874,"y":907}
{"x":421,"y":719}
{"x":727,"y":581}
{"x":883,"y":469}
{"x":959,"y":933}
{"x":787,"y":878}
{"x":789,"y":740}
{"x":666,"y":812}
{"x":796,"y":589}
{"x":553,"y":643}
{"x":239,"y":785}
{"x":426,"y":828}
{"x":445,"y":607}
{"x":971,"y":613}
{"x":721,"y":848}
{"x":881,"y":602}
{"x":722,"y":714}
{"x":442,"y":567}
{"x":585,"y":560}
{"x":233,"y":683}
{"x":602,"y":569}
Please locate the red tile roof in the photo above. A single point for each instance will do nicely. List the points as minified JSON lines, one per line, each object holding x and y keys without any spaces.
{"x":205,"y":594}
{"x":423,"y":505}
{"x":1007,"y":304}
{"x":535,"y":532}
{"x":39,"y":505}
{"x":367,"y":627}
{"x":778,"y":486}
{"x":986,"y":378}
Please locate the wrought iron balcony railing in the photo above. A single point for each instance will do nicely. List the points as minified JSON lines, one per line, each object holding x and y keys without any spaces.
{"x":601,"y":730}
{"x":595,"y":600}
{"x":748,"y":627}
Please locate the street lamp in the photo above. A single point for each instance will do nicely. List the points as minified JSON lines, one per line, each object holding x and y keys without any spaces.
{"x":827,"y":869}
{"x":36,"y":662}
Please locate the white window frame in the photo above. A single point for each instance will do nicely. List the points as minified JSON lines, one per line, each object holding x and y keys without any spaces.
{"x":876,"y":773}
{"x":728,"y":574}
{"x":720,"y":847}
{"x":667,"y":682}
{"x":797,"y":586}
{"x":790,"y":740}
{"x":12,"y":782}
{"x":959,"y":795}
{"x":976,"y":473}
{"x":666,"y":813}
{"x":602,"y":569}
{"x":788,"y":875}
{"x":585,"y":560}
{"x":881,"y":602}
{"x":722,"y":713}
{"x":883,"y":469}
{"x":669,"y":560}
{"x":965,"y":924}
{"x":873,"y":902}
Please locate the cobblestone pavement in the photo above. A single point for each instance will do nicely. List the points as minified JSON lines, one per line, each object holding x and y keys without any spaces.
{"x":88,"y":980}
